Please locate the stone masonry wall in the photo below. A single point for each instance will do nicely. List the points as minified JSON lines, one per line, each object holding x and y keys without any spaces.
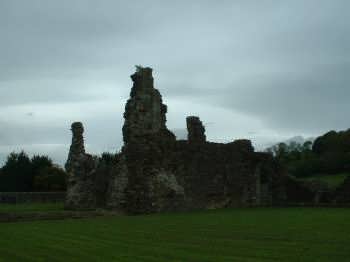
{"x":155,"y":173}
{"x":196,"y":130}
{"x":81,"y":173}
{"x":146,"y":143}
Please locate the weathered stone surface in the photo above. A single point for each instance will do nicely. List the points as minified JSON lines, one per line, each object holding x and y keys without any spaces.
{"x":77,"y":148}
{"x":144,"y":111}
{"x":81,"y":170}
{"x":196,"y":130}
{"x":155,"y":173}
{"x":166,"y":192}
{"x":118,"y":181}
{"x":146,"y":143}
{"x":225,"y":175}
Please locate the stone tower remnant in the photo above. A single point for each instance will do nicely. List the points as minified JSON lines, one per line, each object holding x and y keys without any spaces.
{"x":80,"y":167}
{"x":146,"y":144}
{"x":154,"y":172}
{"x":77,"y":148}
{"x":196,"y":130}
{"x":144,"y":111}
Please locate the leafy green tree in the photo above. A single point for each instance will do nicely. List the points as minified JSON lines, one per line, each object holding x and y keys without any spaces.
{"x":17,"y":173}
{"x":20,"y":173}
{"x":40,"y":162}
{"x":50,"y":178}
{"x":329,"y":154}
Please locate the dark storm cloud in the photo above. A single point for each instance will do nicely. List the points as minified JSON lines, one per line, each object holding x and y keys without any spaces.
{"x":270,"y":67}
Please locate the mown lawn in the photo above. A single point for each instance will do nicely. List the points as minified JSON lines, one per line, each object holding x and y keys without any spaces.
{"x":290,"y":234}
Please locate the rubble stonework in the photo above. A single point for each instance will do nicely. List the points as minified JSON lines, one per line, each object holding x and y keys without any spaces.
{"x":144,"y":111}
{"x":77,"y":148}
{"x":196,"y":130}
{"x":81,"y":169}
{"x":154,"y":172}
{"x":146,"y":148}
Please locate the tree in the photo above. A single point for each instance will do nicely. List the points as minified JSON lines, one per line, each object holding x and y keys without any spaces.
{"x":50,"y":178}
{"x":307,"y":146}
{"x":329,"y":154}
{"x":107,"y":157}
{"x":17,"y":173}
{"x":20,"y":173}
{"x":39,"y":162}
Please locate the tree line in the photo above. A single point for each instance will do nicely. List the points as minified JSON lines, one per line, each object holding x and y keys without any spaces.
{"x":328,"y":154}
{"x":21,"y":173}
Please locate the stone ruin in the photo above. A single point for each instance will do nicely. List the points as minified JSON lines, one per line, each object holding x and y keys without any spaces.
{"x":196,"y":130}
{"x":154,"y":172}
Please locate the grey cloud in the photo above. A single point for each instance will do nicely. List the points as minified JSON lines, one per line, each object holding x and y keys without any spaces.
{"x":284,"y":64}
{"x":13,"y":134}
{"x":32,"y":92}
{"x":309,"y":102}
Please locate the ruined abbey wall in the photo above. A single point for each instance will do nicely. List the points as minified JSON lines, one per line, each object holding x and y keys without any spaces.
{"x":154,"y":172}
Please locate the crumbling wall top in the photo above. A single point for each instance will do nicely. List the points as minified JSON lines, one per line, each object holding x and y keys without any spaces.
{"x":196,"y":130}
{"x":142,"y":78}
{"x":78,"y":138}
{"x":77,"y":148}
{"x":145,"y":113}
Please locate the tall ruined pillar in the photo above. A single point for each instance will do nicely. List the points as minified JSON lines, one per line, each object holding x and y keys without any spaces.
{"x":144,"y":112}
{"x":81,"y":170}
{"x":196,"y":130}
{"x":147,"y":142}
{"x":77,"y":148}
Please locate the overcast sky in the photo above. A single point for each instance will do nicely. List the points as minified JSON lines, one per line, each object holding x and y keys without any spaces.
{"x":263,"y":70}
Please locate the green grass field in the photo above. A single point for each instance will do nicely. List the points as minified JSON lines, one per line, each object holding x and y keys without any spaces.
{"x":290,"y":234}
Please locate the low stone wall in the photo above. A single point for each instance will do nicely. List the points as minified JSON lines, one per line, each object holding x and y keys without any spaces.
{"x":31,"y":197}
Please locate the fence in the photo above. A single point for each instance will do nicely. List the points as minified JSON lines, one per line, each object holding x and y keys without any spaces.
{"x":31,"y":197}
